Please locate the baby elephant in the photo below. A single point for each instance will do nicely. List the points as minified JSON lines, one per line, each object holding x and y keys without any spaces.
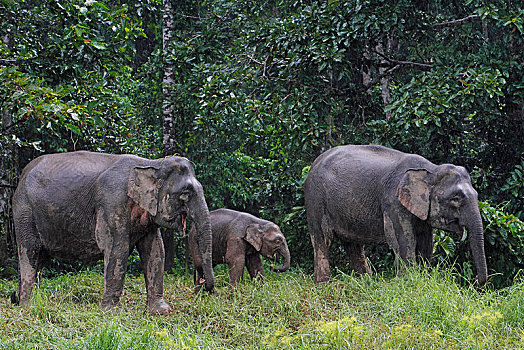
{"x":238,"y":240}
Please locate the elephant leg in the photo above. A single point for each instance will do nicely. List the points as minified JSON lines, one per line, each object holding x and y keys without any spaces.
{"x":321,"y":242}
{"x":406,"y":239}
{"x":29,"y":256}
{"x":115,"y":266}
{"x":357,"y":258}
{"x":151,"y":250}
{"x":236,"y":269}
{"x":28,"y":265}
{"x":168,"y":239}
{"x":114,"y":243}
{"x":198,"y":278}
{"x":424,"y":249}
{"x":255,"y":267}
{"x":400,"y":237}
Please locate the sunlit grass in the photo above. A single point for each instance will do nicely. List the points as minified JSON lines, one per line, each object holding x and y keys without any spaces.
{"x":418,"y":309}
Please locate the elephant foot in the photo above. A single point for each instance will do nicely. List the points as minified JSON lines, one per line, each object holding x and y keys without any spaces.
{"x":198,"y":288}
{"x":324,"y":281}
{"x":199,"y":284}
{"x":159,"y":307}
{"x":109,"y":305}
{"x":322,"y":274}
{"x":361,"y":269}
{"x":209,"y":287}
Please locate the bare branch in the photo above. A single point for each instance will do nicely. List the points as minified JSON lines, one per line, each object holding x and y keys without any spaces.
{"x":417,"y":65}
{"x":252,"y":59}
{"x":265,"y":66}
{"x":187,"y":16}
{"x":456,"y":22}
{"x":380,"y":76}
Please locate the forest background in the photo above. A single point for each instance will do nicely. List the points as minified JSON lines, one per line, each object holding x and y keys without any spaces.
{"x":253,"y":91}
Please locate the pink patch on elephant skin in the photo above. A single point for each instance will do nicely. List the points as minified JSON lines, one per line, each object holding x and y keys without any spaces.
{"x":139,"y":216}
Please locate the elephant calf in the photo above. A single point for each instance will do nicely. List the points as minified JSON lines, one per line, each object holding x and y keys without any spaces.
{"x":239,"y":239}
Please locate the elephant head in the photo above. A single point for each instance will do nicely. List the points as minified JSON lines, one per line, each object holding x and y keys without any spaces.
{"x":268,"y":240}
{"x":446,"y":198}
{"x":168,"y":191}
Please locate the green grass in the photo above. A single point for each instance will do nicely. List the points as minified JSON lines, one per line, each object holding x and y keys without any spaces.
{"x":419,"y":309}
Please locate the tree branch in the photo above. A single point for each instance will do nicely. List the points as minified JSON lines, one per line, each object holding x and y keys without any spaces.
{"x":380,"y":76}
{"x":417,"y":65}
{"x":456,"y":22}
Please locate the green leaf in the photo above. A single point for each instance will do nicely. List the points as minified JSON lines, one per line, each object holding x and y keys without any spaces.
{"x":99,"y":45}
{"x":74,"y":129}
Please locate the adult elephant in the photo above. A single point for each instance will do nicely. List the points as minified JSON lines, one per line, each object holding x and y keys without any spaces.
{"x":240,"y":240}
{"x":373,"y":194}
{"x":89,"y":206}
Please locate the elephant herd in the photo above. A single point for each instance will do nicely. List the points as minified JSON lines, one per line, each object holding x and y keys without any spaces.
{"x":86,"y":206}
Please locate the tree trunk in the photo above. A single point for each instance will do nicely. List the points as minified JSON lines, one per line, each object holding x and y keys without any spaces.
{"x":485,"y":31}
{"x":168,"y":81}
{"x":384,"y":81}
{"x":168,"y":127}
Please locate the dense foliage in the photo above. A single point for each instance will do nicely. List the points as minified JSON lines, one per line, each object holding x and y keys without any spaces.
{"x":263,"y":87}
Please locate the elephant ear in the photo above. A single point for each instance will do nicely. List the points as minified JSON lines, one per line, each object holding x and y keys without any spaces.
{"x":254,"y":236}
{"x":413,"y":192}
{"x":142,"y":188}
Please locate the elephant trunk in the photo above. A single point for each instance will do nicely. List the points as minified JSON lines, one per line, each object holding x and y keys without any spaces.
{"x":473,"y":224}
{"x":202,"y":222}
{"x":284,"y":253}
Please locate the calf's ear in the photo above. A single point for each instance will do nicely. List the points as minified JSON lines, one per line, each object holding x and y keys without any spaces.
{"x":142,"y":188}
{"x":254,"y":236}
{"x":413,"y":192}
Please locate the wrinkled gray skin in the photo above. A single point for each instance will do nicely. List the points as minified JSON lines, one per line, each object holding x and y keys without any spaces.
{"x":373,"y":195}
{"x":90,"y":206}
{"x":240,"y":239}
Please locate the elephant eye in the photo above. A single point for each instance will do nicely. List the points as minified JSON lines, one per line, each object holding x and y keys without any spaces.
{"x":456,"y":200}
{"x":184,"y":196}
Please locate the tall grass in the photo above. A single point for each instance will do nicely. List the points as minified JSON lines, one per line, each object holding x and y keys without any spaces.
{"x":418,"y":309}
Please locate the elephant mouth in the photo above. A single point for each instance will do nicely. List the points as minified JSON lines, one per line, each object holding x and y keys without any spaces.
{"x":183,"y":219}
{"x":452,"y":225}
{"x":452,"y":222}
{"x":279,"y":257}
{"x":178,"y":221}
{"x":276,"y":256}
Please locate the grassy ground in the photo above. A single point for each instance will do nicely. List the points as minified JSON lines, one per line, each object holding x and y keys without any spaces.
{"x":418,"y":309}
